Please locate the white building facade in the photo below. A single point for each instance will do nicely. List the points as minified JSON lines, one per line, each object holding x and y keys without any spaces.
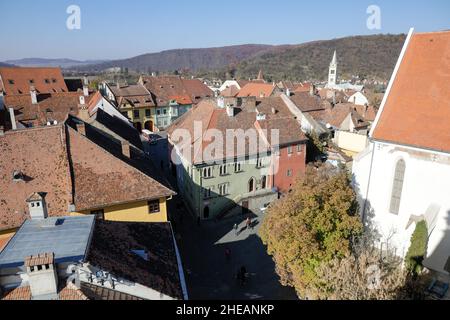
{"x":403,"y":176}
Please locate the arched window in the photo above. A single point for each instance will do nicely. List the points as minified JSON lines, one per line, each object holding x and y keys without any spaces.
{"x":251,"y":185}
{"x":264,"y":182}
{"x":397,"y":186}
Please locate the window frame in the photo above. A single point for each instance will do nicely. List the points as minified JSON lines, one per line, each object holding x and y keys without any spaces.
{"x":152,"y":205}
{"x":398,"y":183}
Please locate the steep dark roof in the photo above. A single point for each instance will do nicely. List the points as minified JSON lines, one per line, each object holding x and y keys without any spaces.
{"x":112,"y":246}
{"x":119,"y":127}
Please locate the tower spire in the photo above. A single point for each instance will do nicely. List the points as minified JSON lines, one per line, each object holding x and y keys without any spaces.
{"x":260,"y":75}
{"x":334,"y":61}
{"x":332,"y":73}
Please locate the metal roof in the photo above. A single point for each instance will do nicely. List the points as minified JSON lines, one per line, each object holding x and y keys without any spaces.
{"x":67,"y":237}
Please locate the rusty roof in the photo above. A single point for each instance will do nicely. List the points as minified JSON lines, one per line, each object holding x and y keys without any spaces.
{"x":417,"y":109}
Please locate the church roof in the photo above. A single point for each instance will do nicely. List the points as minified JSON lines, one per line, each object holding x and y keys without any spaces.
{"x":416,"y":110}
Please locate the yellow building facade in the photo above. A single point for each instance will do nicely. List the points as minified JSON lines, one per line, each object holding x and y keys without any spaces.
{"x":139,"y":211}
{"x":142,"y":118}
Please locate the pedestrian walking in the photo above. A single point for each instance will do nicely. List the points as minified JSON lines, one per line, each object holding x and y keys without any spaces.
{"x":236,"y":231}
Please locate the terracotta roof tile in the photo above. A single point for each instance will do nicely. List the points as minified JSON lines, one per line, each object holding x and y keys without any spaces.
{"x":307,"y":103}
{"x":40,"y":156}
{"x":40,"y":259}
{"x":50,"y":107}
{"x":102,"y":175}
{"x":135,"y":95}
{"x":258,"y":90}
{"x":164,"y":88}
{"x":212,"y":116}
{"x":417,"y":109}
{"x":67,"y":292}
{"x":46,"y":80}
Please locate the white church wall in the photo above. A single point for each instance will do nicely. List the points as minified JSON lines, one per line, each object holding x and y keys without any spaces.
{"x":426,"y":184}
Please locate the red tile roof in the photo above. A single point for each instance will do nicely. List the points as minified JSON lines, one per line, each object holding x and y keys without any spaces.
{"x":40,"y":155}
{"x":231,"y":91}
{"x":50,"y":107}
{"x":102,"y":175}
{"x":45,"y":80}
{"x":102,"y":179}
{"x":211,"y":116}
{"x":165,"y":87}
{"x":259,"y":90}
{"x":417,"y":109}
{"x":67,"y":292}
{"x":134,"y":95}
{"x":307,"y":103}
{"x":340,"y":112}
{"x":4,"y":242}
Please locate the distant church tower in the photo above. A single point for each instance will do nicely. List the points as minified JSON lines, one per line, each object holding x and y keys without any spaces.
{"x":332,"y":73}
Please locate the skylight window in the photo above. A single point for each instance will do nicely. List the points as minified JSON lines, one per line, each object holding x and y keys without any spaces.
{"x":142,"y":254}
{"x":10,"y":81}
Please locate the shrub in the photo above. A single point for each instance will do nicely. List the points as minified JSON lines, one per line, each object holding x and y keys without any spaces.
{"x":418,"y":248}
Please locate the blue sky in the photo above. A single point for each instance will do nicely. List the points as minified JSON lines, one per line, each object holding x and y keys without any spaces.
{"x":121,"y":29}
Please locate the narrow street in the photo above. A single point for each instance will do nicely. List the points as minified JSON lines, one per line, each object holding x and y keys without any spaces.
{"x":209,"y":274}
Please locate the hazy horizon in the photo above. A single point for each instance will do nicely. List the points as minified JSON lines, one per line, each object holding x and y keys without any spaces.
{"x":121,"y":30}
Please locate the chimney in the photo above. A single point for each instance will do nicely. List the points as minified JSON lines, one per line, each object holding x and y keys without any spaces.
{"x":85,"y":90}
{"x":42,"y":276}
{"x":126,"y":148}
{"x":117,"y":85}
{"x":12,"y":118}
{"x":311,"y":90}
{"x":33,"y":95}
{"x":37,"y":205}
{"x":274,"y":111}
{"x":81,"y":128}
{"x":288,"y":92}
{"x":2,"y":131}
{"x":230,"y":110}
{"x":260,"y":116}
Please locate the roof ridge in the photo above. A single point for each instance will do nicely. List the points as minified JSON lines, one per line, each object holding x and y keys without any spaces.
{"x":122,"y":161}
